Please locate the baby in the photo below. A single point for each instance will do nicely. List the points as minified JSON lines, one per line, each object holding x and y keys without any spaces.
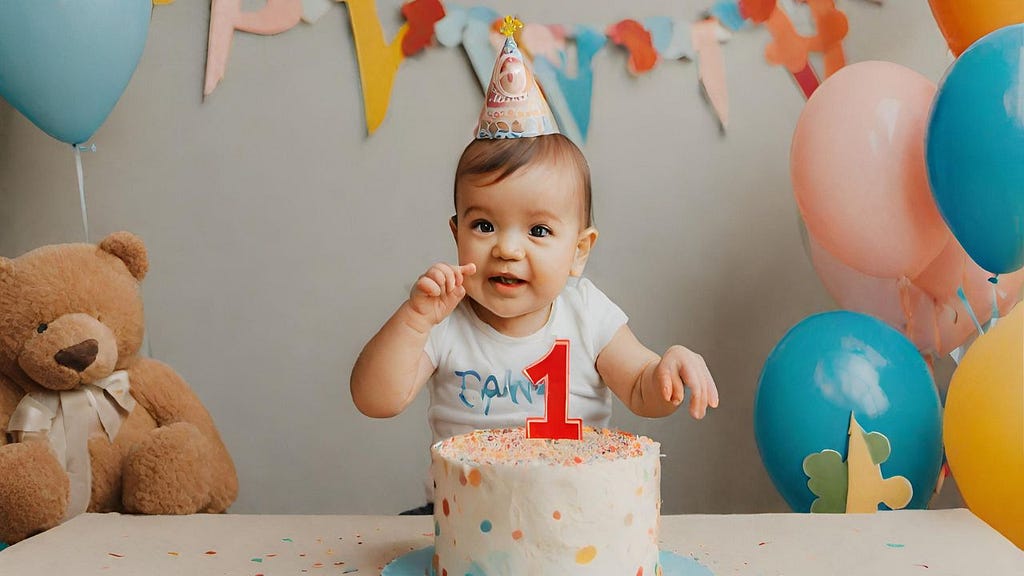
{"x":523,"y":230}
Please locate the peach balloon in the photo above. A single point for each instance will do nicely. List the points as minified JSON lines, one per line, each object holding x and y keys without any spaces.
{"x":935,"y":326}
{"x":858,"y":169}
{"x":945,"y":273}
{"x":964,"y":21}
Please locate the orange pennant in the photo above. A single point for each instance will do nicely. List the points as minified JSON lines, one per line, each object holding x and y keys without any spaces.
{"x":421,"y":16}
{"x":632,"y":35}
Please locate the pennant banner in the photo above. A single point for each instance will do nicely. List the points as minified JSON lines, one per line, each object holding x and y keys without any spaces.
{"x":562,"y":55}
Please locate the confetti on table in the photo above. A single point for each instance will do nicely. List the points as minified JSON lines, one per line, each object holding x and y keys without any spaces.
{"x":172,"y":554}
{"x":270,"y":555}
{"x":210,"y":552}
{"x":286,"y":540}
{"x":260,"y":560}
{"x":350,"y":570}
{"x":892,"y":545}
{"x":115,"y":555}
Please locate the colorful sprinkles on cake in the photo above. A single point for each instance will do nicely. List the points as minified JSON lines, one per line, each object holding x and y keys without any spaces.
{"x":511,"y":446}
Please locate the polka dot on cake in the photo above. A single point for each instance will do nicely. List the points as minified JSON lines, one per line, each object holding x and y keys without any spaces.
{"x":586,"y":554}
{"x":517,"y":534}
{"x":629,"y":519}
{"x":474,"y":477}
{"x":444,"y":506}
{"x":485,"y":526}
{"x":557,"y":515}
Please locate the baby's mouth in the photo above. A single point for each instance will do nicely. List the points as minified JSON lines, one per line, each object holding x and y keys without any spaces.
{"x":507,"y":280}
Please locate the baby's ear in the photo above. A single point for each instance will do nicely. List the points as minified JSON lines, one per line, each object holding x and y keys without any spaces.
{"x":130,"y":249}
{"x":584,"y":244}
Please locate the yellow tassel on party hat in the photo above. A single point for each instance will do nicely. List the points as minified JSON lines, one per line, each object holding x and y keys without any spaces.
{"x":515,"y":106}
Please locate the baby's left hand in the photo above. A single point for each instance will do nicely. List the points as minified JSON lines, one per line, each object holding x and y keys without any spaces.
{"x":682,"y":368}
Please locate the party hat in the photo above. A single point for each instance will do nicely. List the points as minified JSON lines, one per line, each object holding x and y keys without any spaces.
{"x":515,"y":106}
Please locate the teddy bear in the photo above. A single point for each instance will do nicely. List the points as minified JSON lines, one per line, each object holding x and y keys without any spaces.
{"x":86,"y":423}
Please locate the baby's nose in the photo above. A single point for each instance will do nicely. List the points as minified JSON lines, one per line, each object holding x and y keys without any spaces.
{"x":508,"y":248}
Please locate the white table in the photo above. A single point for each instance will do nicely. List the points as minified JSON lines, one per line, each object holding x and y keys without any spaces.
{"x":912,"y":542}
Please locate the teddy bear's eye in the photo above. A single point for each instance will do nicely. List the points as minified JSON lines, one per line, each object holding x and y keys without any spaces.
{"x":42,"y":328}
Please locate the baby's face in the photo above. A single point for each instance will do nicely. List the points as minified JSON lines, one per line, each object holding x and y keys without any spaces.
{"x":522,"y":233}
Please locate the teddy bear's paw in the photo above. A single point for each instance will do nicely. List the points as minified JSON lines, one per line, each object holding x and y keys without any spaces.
{"x":167,"y":473}
{"x":107,"y":461}
{"x":34,"y":490}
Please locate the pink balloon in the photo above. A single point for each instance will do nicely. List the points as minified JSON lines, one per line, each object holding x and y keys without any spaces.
{"x":945,"y":273}
{"x":858,"y":169}
{"x":935,"y":326}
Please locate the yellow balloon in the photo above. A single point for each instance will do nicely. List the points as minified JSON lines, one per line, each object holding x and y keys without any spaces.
{"x":964,"y":21}
{"x":983,"y":426}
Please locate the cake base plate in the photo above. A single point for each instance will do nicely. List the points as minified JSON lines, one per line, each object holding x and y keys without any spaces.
{"x":417,"y":563}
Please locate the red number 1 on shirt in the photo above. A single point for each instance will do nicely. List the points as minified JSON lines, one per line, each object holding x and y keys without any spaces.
{"x":553,"y":370}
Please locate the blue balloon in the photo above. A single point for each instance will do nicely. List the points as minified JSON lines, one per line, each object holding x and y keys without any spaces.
{"x":829,"y":366}
{"x":975,"y":150}
{"x":64,"y":64}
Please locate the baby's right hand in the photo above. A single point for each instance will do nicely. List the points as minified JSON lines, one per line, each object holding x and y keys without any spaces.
{"x":438,"y":291}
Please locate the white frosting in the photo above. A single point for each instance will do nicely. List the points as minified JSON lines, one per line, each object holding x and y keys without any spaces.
{"x":508,"y":506}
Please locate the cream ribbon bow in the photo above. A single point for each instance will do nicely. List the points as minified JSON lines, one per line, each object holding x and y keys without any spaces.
{"x":67,"y":418}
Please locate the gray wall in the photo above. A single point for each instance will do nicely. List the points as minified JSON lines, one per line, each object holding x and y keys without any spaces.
{"x":281,"y":237}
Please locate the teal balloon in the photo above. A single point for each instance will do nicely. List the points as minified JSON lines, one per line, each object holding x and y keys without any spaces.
{"x":65,"y":63}
{"x":975,"y":150}
{"x":829,"y":366}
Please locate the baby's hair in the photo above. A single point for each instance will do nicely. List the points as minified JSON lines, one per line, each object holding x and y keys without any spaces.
{"x":502,"y":158}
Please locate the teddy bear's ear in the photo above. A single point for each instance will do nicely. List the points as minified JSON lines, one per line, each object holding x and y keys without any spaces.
{"x":130,"y":249}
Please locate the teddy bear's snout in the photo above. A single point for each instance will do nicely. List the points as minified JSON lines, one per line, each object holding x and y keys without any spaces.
{"x":80,"y":356}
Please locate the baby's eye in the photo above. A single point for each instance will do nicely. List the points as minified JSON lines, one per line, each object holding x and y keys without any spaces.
{"x":482,"y":226}
{"x":540,"y":231}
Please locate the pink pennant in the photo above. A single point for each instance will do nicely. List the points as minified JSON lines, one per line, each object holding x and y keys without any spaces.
{"x":226,"y":16}
{"x":711,"y":66}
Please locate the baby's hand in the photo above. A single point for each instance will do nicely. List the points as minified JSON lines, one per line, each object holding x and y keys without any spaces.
{"x":438,"y":291}
{"x":681,"y":368}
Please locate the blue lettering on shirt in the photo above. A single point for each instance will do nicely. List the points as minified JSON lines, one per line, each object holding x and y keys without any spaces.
{"x":490,"y":387}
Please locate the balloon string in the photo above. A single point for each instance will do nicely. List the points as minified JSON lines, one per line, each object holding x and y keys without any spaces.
{"x":995,"y":300}
{"x":81,"y":187}
{"x":970,"y":311}
{"x":903,"y":285}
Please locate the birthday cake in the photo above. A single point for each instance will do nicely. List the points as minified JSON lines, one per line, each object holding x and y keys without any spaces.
{"x":506,"y":505}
